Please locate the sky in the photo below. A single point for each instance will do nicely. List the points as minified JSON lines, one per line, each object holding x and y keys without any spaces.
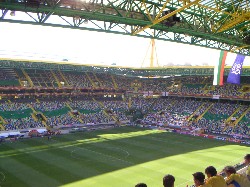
{"x":19,"y":41}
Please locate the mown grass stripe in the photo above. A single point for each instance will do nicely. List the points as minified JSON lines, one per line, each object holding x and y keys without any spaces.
{"x":46,"y":165}
{"x":7,"y":178}
{"x":26,"y":173}
{"x":62,"y":158}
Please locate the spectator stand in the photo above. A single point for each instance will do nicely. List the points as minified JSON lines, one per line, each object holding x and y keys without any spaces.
{"x":203,"y":112}
{"x":242,"y":114}
{"x":2,"y":121}
{"x":62,"y":78}
{"x":91,"y":79}
{"x":27,"y":77}
{"x":8,"y":77}
{"x":58,"y":82}
{"x":108,"y":112}
{"x":114,"y":82}
{"x":196,"y":111}
{"x":74,"y":113}
{"x":37,"y":116}
{"x":233,"y":114}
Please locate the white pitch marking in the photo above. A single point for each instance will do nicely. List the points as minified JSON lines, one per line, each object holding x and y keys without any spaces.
{"x":3,"y":176}
{"x":127,"y":153}
{"x":109,"y":156}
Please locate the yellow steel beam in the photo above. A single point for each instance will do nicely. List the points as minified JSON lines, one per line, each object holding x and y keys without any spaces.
{"x":166,"y":16}
{"x":148,"y":13}
{"x":233,"y":5}
{"x":186,"y":1}
{"x":235,"y":21}
{"x":216,"y":10}
{"x":163,"y":7}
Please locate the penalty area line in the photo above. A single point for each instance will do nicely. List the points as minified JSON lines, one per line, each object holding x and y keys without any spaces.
{"x":96,"y":152}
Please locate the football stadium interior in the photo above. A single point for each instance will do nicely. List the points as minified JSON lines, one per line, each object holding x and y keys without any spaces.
{"x":68,"y":124}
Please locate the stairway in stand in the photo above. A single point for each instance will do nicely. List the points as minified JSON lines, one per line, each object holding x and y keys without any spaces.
{"x":201,"y":115}
{"x":114,"y":82}
{"x":72,"y":115}
{"x":27,"y":77}
{"x":108,"y":114}
{"x":242,"y":115}
{"x":232,"y":115}
{"x":34,"y":116}
{"x":2,"y":122}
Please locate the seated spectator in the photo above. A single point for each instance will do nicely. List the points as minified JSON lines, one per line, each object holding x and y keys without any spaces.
{"x":141,"y":185}
{"x":213,"y":179}
{"x":247,"y":162}
{"x":234,"y":179}
{"x":168,"y":180}
{"x":199,"y":180}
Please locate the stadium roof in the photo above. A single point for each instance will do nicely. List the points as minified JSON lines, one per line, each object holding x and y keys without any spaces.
{"x":210,"y":23}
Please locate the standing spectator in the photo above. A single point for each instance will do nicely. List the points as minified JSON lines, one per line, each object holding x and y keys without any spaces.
{"x":247,"y":162}
{"x":199,"y":180}
{"x":234,"y":179}
{"x":213,"y":179}
{"x":168,"y":180}
{"x":141,"y":185}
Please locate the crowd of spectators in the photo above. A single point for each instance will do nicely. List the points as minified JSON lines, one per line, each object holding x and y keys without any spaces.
{"x":170,"y":111}
{"x":13,"y":106}
{"x":116,"y":105}
{"x":126,"y":83}
{"x":187,"y":89}
{"x":142,"y":104}
{"x":227,"y":90}
{"x":241,"y":110}
{"x":241,"y":128}
{"x":64,"y":119}
{"x":230,"y":176}
{"x":248,"y":116}
{"x":164,"y":118}
{"x":95,"y":118}
{"x":183,"y":85}
{"x":155,"y":85}
{"x":105,"y":80}
{"x":166,"y":111}
{"x":77,"y":80}
{"x":48,"y":105}
{"x":247,"y":94}
{"x":7,"y":74}
{"x":223,"y":109}
{"x":175,"y":112}
{"x":22,"y":123}
{"x":210,"y":126}
{"x":84,"y":104}
{"x":217,"y":120}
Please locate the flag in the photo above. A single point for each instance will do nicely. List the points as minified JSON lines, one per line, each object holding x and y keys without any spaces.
{"x":219,"y":69}
{"x":234,"y":74}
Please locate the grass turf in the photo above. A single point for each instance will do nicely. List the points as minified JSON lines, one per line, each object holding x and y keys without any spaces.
{"x":119,"y":157}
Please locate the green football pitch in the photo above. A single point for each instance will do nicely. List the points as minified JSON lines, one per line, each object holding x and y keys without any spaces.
{"x":119,"y":157}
